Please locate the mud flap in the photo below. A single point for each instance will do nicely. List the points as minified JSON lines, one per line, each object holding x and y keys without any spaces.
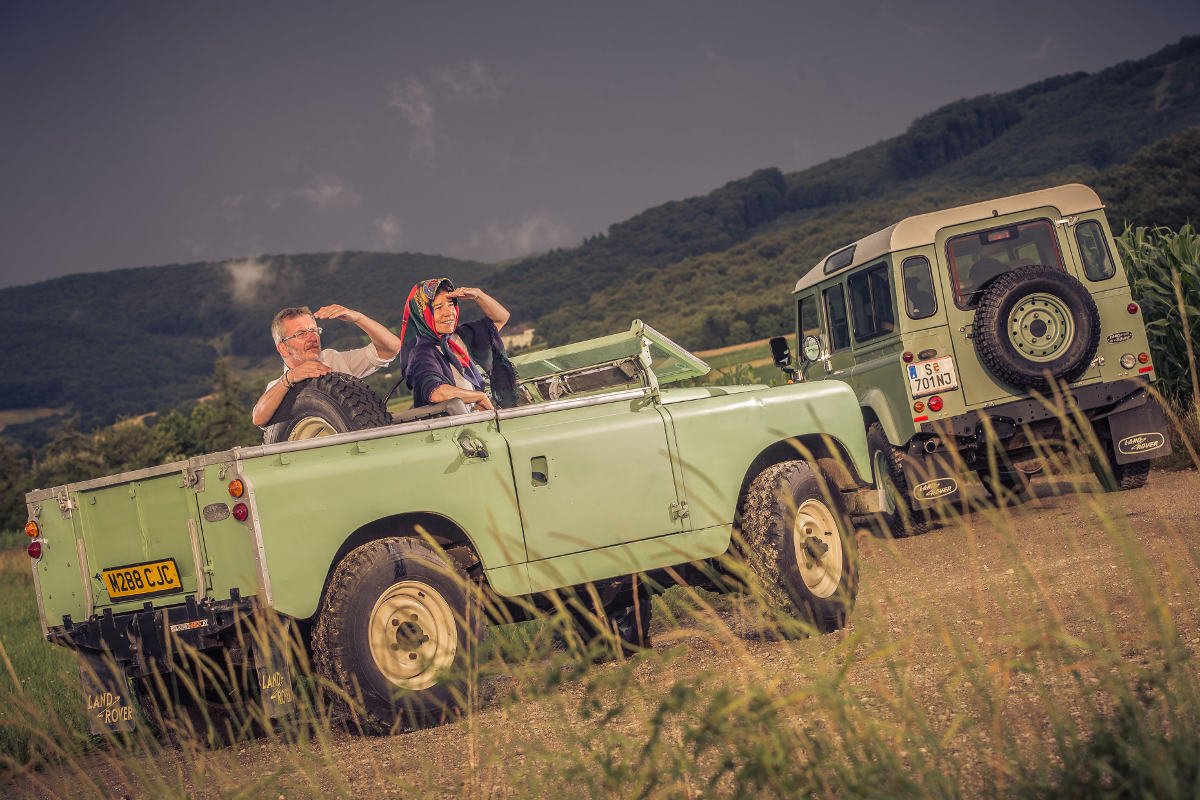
{"x":106,"y":694}
{"x":931,"y":476}
{"x":1139,"y":431}
{"x":274,"y":675}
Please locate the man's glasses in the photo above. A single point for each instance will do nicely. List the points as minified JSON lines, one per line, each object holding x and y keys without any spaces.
{"x":302,"y":334}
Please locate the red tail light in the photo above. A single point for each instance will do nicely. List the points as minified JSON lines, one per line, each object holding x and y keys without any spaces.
{"x":1132,"y":308}
{"x":240,"y":512}
{"x":35,"y":550}
{"x":935,"y":403}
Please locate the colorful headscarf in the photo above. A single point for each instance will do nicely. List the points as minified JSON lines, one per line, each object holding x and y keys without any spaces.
{"x":418,"y":311}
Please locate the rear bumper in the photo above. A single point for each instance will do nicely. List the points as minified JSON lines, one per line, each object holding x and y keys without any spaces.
{"x":1127,"y":420}
{"x":1120,"y":410}
{"x":142,"y":641}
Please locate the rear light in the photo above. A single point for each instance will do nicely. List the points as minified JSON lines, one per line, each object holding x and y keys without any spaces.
{"x":1132,"y":308}
{"x":240,"y":512}
{"x":908,"y":357}
{"x":935,"y":403}
{"x":31,"y":529}
{"x":1127,"y":361}
{"x":918,"y":407}
{"x":35,"y":550}
{"x":1144,"y":358}
{"x":237,"y":488}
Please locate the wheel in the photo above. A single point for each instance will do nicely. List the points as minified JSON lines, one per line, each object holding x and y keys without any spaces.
{"x":1035,"y":325}
{"x":1116,"y":477}
{"x":898,"y":518}
{"x":333,"y":403}
{"x":208,"y":700}
{"x":797,"y":542}
{"x":615,"y":619}
{"x":393,"y":634}
{"x":1007,"y":483}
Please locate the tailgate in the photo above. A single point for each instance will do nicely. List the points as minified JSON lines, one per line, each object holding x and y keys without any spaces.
{"x":141,"y":539}
{"x":118,"y":543}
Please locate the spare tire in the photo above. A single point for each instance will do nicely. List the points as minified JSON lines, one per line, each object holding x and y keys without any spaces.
{"x":1034,"y":326}
{"x":333,"y":403}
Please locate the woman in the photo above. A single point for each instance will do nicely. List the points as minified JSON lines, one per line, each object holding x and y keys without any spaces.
{"x":443,"y":360}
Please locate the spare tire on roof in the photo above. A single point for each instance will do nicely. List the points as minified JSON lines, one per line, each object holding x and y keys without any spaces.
{"x":1034,"y":326}
{"x":333,"y":403}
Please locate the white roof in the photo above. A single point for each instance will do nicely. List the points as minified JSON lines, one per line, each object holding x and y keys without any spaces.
{"x":1073,"y":198}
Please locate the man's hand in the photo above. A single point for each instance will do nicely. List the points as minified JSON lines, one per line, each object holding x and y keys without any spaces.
{"x":309,"y":369}
{"x":338,"y":312}
{"x":387,"y":344}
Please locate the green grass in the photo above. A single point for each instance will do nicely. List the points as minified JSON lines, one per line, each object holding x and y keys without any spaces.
{"x":1032,"y":680}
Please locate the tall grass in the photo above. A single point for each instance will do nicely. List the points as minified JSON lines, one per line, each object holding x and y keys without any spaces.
{"x":980,"y":663}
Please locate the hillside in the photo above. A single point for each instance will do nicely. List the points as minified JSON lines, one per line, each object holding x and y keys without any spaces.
{"x":130,"y":341}
{"x":706,"y":270}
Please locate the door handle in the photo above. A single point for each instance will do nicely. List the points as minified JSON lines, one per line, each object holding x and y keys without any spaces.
{"x":539,"y":470}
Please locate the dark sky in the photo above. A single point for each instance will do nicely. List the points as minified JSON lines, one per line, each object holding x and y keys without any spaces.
{"x":140,"y":133}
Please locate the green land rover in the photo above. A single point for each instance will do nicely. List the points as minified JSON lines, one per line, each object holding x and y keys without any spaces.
{"x":970,"y":334}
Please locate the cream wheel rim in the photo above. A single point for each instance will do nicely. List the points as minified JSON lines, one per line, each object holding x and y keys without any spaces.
{"x":413,"y":635}
{"x":818,"y":548}
{"x":310,"y":428}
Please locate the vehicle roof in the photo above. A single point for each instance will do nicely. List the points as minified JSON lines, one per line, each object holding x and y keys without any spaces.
{"x":919,"y":230}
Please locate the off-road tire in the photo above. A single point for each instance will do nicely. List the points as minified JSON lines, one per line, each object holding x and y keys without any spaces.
{"x":798,"y":543}
{"x":1011,"y":345}
{"x":1007,"y":484}
{"x":332,"y":403}
{"x":393,"y":636}
{"x":903,"y":519}
{"x":621,"y":625}
{"x":1116,"y":477}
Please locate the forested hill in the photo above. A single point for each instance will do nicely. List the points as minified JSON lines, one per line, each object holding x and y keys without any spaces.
{"x":126,"y":342}
{"x":706,"y":270}
{"x":742,"y":247}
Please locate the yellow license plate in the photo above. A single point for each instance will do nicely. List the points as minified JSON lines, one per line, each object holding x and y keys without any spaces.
{"x":142,"y":580}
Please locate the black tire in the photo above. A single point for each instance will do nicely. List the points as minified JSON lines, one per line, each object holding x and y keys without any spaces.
{"x":210,"y":701}
{"x":798,"y":543}
{"x":1006,"y":484}
{"x":1036,"y":325}
{"x":1116,"y":477}
{"x":620,"y":626}
{"x":333,"y":403}
{"x":899,"y":518}
{"x":393,"y":636}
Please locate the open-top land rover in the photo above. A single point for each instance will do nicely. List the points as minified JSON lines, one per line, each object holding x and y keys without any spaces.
{"x":969,"y":335}
{"x":378,"y":542}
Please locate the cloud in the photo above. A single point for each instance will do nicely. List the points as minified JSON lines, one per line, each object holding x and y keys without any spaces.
{"x":330,"y":192}
{"x":418,"y":101}
{"x":472,"y":82}
{"x":248,"y":277}
{"x":414,"y":100}
{"x":388,"y":232}
{"x":535,"y":233}
{"x":1049,"y":45}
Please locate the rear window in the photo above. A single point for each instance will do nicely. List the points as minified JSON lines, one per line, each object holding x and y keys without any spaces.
{"x":976,"y":258}
{"x":871,"y":303}
{"x":835,"y":315}
{"x":1097,"y":263}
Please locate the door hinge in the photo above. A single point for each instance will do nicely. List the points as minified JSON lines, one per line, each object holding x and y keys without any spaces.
{"x":194,"y":479}
{"x":679,"y":510}
{"x":65,"y":503}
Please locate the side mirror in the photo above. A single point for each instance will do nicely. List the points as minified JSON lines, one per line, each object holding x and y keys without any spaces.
{"x":781,"y":352}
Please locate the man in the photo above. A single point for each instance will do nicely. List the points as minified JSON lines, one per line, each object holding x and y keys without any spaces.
{"x":298,"y":340}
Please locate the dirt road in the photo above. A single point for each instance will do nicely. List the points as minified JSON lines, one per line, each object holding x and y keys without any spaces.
{"x":1072,"y":559}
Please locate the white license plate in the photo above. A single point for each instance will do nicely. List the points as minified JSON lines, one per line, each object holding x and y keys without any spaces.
{"x":931,"y":377}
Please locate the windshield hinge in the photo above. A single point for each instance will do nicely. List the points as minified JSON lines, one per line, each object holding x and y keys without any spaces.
{"x":65,"y":502}
{"x":679,"y":510}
